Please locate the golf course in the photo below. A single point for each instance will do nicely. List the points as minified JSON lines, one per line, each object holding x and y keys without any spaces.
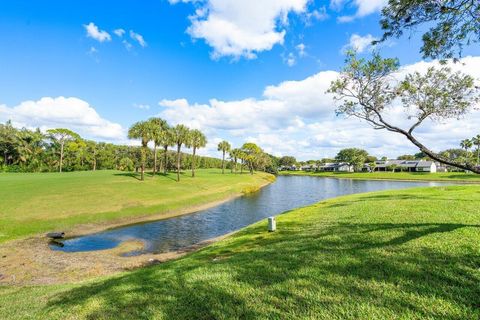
{"x":402,"y":254}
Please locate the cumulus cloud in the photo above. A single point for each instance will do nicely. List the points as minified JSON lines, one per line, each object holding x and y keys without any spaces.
{"x":359,"y":43}
{"x":138,"y":38}
{"x":61,"y":112}
{"x":298,"y":118}
{"x":119,"y":32}
{"x":95,"y":33}
{"x":244,"y":28}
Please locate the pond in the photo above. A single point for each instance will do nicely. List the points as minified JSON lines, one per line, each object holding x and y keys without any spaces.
{"x":286,"y":193}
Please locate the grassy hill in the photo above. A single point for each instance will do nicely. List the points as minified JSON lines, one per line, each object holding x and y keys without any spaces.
{"x":404,"y":254}
{"x":421,"y":176}
{"x":37,"y":202}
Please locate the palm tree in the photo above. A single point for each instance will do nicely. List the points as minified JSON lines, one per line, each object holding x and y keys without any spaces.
{"x":180,"y":136}
{"x":61,"y":136}
{"x":159,"y":129}
{"x":476,"y":142}
{"x":165,"y":140}
{"x":223,"y":146}
{"x":196,"y":140}
{"x":141,"y":130}
{"x":235,"y":155}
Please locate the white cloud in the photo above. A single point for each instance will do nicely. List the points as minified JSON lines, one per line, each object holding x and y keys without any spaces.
{"x":95,"y":33}
{"x":359,"y":43}
{"x":61,"y":112}
{"x":298,"y":118}
{"x":363,"y":8}
{"x":291,"y":60}
{"x":243,"y":28}
{"x":301,"y":49}
{"x":119,"y":32}
{"x":141,"y":106}
{"x":138,"y":38}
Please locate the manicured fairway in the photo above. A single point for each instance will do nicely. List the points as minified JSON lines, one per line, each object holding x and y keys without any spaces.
{"x":32,"y":203}
{"x":447,"y":176}
{"x":408,"y":254}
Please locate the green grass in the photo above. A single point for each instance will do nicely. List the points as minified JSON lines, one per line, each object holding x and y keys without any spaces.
{"x":38,"y":202}
{"x":407,"y":254}
{"x":424,"y":176}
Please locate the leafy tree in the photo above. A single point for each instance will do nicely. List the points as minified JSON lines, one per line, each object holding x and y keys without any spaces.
{"x":365,"y":90}
{"x":180,"y":136}
{"x":287,"y":161}
{"x":476,"y":141}
{"x":353,"y":157}
{"x":196,"y":140}
{"x":224,"y":147}
{"x":61,"y":136}
{"x":406,"y":157}
{"x":126,"y":164}
{"x":159,"y":129}
{"x":251,"y":153}
{"x":452,"y":24}
{"x":166,"y":140}
{"x":142,"y":130}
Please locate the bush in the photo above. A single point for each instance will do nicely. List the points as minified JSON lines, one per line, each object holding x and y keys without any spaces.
{"x":126,"y":164}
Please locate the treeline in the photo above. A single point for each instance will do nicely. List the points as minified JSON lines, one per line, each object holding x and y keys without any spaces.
{"x":24,"y":150}
{"x":163,"y":136}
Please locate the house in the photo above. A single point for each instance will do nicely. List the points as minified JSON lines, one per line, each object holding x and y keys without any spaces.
{"x":406,"y":165}
{"x":336,"y":167}
{"x":288,"y":168}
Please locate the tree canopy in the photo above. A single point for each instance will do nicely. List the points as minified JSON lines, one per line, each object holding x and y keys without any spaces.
{"x":451,"y":24}
{"x":371,"y":90}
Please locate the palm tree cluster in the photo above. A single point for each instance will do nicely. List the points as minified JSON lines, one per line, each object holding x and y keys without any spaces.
{"x":159,"y":132}
{"x":249,"y":155}
{"x":24,"y":150}
{"x":467,"y":145}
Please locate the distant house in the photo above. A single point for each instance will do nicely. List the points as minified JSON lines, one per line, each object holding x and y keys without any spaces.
{"x":336,"y":167}
{"x":406,"y":165}
{"x":288,"y":168}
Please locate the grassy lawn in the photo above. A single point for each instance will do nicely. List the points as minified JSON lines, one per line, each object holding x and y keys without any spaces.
{"x":32,"y":203}
{"x":447,"y":176}
{"x":405,"y":254}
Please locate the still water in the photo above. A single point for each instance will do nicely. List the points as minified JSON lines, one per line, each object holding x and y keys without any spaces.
{"x":288,"y":192}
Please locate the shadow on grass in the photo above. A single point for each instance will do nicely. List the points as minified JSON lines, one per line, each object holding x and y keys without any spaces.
{"x":303,"y":270}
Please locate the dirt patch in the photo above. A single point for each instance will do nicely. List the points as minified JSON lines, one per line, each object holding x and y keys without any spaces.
{"x":32,"y":262}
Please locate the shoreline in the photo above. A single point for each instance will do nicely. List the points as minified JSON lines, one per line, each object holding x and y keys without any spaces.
{"x":30,"y":261}
{"x":383,"y":179}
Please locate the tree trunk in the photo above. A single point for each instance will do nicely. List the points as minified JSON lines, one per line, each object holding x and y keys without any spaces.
{"x":154,"y":160}
{"x":165,"y":159}
{"x":61,"y":156}
{"x":223,"y":163}
{"x":144,"y":158}
{"x":193,"y":162}
{"x":94,"y":163}
{"x":231,"y":169}
{"x":241,"y":166}
{"x":478,"y":154}
{"x":179,"y":146}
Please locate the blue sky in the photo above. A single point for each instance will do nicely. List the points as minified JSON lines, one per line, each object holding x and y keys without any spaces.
{"x":194,"y":52}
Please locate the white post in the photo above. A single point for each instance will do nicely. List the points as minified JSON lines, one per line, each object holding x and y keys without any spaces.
{"x":272,"y":224}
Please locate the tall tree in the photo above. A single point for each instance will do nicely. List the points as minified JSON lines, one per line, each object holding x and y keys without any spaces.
{"x":451,"y":24}
{"x":196,"y":140}
{"x":142,"y":130}
{"x":251,"y":153}
{"x":61,"y":136}
{"x":159,"y":129}
{"x":476,"y":142}
{"x":224,"y":147}
{"x":354,"y":157}
{"x":365,"y":90}
{"x":166,"y":140}
{"x":180,"y":136}
{"x":235,"y":154}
